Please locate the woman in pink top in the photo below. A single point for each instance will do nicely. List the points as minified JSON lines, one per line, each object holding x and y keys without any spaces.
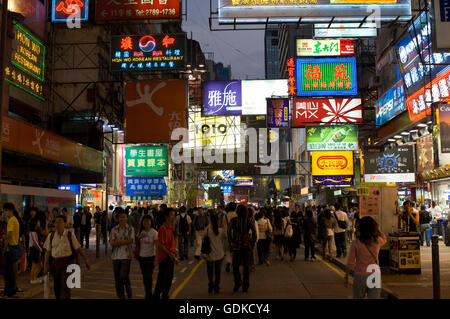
{"x":364,"y":253}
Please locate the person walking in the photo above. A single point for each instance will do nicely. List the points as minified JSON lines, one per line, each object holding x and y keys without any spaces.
{"x":62,"y":247}
{"x":294,"y":241}
{"x":77,"y":223}
{"x":217,"y":238}
{"x":364,"y":252}
{"x":265,"y":236}
{"x":230,"y":210}
{"x":339,"y":231}
{"x":85,"y":226}
{"x":35,"y":251}
{"x":104,"y":221}
{"x":121,"y":239}
{"x":166,"y":256}
{"x":310,"y":234}
{"x":147,"y":246}
{"x":424,"y":220}
{"x":242,"y":238}
{"x":278,"y":233}
{"x":201,"y":221}
{"x":183,"y":229}
{"x":328,"y":224}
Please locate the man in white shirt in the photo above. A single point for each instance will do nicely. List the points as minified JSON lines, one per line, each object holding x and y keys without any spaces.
{"x":339,"y":233}
{"x":60,"y":245}
{"x":436,"y":212}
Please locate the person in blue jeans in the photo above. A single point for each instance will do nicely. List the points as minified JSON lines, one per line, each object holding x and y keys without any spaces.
{"x":424,"y":220}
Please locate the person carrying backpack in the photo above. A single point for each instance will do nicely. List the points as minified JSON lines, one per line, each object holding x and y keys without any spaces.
{"x":242,"y":238}
{"x":424,"y":220}
{"x":61,"y":248}
{"x":183,"y":229}
{"x":339,"y":231}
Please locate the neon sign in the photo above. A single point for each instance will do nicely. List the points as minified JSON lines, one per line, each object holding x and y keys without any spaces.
{"x":64,"y":10}
{"x":107,"y":10}
{"x":319,"y":77}
{"x":291,"y":79}
{"x":148,"y":52}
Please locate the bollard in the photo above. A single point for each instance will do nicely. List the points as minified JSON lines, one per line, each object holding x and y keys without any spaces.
{"x":97,"y":237}
{"x":436,"y":271}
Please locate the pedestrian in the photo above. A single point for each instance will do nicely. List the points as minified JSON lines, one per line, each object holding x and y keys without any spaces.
{"x":294,"y":241}
{"x":310,"y":234}
{"x":69,"y":219}
{"x":29,"y":218}
{"x":339,"y":231}
{"x":230,"y":210}
{"x":424,"y":220}
{"x":409,"y":216}
{"x":35,"y":251}
{"x":217,"y":239}
{"x":12,"y":250}
{"x":350,"y":230}
{"x":278,"y":234}
{"x":104,"y":221}
{"x":191,"y":214}
{"x":242,"y":238}
{"x":183,"y":229}
{"x":147,"y":245}
{"x":364,"y":252}
{"x":86,"y":226}
{"x":97,"y":220}
{"x":328,"y":224}
{"x":253,"y":256}
{"x":77,"y":223}
{"x":50,"y":221}
{"x":22,"y":260}
{"x":121,"y":239}
{"x":61,"y":247}
{"x":201,"y":221}
{"x":160,"y":216}
{"x":166,"y":256}
{"x":265,"y":236}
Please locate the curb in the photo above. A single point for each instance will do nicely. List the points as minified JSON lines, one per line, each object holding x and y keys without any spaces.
{"x":385,"y":293}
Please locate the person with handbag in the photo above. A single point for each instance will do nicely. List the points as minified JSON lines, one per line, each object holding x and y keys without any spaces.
{"x":13,"y":250}
{"x":364,"y":252}
{"x":310,"y":235}
{"x":146,"y":251}
{"x":265,"y":236}
{"x":340,"y":230}
{"x":280,"y":225}
{"x":215,"y":239}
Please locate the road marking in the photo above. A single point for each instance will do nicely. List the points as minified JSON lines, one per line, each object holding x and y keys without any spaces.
{"x":180,"y":287}
{"x":183,"y":270}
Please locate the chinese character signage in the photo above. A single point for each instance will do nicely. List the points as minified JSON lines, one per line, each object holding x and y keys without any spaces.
{"x":289,"y":11}
{"x":278,"y":113}
{"x":419,"y":103}
{"x":390,"y":104}
{"x":27,"y":67}
{"x":322,"y":77}
{"x":309,"y":47}
{"x":146,"y":161}
{"x":291,"y":80}
{"x":417,"y":61}
{"x":148,"y":52}
{"x":332,"y":138}
{"x":327,"y":111}
{"x":153,"y":109}
{"x":441,"y":24}
{"x":222,"y":98}
{"x":332,"y":168}
{"x":146,"y":186}
{"x":444,"y":127}
{"x":107,"y":10}
{"x":70,"y":10}
{"x":395,"y":165}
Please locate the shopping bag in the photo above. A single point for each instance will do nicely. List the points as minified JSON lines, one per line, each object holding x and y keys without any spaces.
{"x":46,"y":286}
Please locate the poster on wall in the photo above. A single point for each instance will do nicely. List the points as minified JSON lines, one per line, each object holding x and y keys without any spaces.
{"x":425,"y":153}
{"x":332,"y":138}
{"x":370,"y":205}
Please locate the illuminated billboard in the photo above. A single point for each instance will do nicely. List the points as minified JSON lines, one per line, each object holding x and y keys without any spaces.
{"x":283,"y":11}
{"x":332,"y":138}
{"x":70,"y":10}
{"x":148,"y":52}
{"x":278,"y":113}
{"x":332,"y":168}
{"x":255,"y":93}
{"x":345,"y":30}
{"x":107,"y":10}
{"x":324,"y":77}
{"x":390,"y":104}
{"x":318,"y":48}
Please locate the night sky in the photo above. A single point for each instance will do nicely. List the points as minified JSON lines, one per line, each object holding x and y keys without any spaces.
{"x":244,"y":50}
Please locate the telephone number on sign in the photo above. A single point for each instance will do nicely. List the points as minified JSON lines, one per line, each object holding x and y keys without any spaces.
{"x":164,"y":12}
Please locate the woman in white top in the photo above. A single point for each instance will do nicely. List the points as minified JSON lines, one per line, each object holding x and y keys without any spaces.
{"x":265,"y":234}
{"x":217,"y":238}
{"x":147,"y":247}
{"x":35,"y":251}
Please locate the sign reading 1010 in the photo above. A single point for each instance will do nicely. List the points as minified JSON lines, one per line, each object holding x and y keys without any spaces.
{"x":148,"y":52}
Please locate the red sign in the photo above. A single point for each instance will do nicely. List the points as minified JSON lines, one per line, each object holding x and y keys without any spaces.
{"x":347,"y":47}
{"x":333,"y":162}
{"x":107,"y":10}
{"x":322,"y":110}
{"x":291,"y":77}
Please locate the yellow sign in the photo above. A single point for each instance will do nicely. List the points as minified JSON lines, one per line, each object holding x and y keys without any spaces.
{"x":362,"y":191}
{"x":332,"y":163}
{"x":373,"y":184}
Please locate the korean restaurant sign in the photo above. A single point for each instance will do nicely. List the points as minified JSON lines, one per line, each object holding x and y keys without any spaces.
{"x":27,"y":64}
{"x":153,"y":109}
{"x":419,"y":103}
{"x":327,"y":111}
{"x":323,"y":77}
{"x":148,"y":52}
{"x":146,"y":161}
{"x":310,"y":47}
{"x":332,"y":167}
{"x":64,"y":10}
{"x":25,"y":138}
{"x":390,"y":104}
{"x":278,"y":113}
{"x":332,"y":138}
{"x":146,"y":186}
{"x":107,"y":10}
